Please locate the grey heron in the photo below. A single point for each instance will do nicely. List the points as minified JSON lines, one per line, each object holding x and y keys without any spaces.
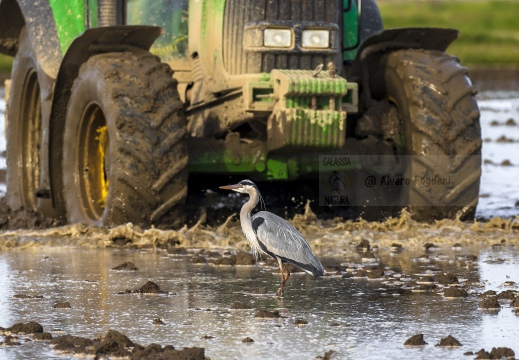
{"x":272,"y":235}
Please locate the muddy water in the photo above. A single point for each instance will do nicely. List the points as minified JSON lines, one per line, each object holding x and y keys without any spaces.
{"x":355,"y":317}
{"x":499,"y":193}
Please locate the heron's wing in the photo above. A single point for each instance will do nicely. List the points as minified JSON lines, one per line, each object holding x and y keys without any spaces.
{"x":278,"y":237}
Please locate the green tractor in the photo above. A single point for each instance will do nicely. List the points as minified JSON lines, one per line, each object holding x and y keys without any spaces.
{"x":113,"y":103}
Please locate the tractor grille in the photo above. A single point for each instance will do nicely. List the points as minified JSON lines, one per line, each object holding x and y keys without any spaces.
{"x":240,"y":12}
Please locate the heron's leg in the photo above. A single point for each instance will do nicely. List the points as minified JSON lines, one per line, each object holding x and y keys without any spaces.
{"x":282,"y":284}
{"x":287,"y":273}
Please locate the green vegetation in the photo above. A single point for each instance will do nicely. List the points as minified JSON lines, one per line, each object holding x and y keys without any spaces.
{"x":5,"y":63}
{"x":489,"y":31}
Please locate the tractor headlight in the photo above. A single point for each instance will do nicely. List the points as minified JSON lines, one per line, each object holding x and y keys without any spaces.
{"x":277,"y":38}
{"x":316,"y":39}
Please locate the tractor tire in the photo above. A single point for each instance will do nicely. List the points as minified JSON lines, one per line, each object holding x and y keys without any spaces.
{"x":125,"y":153}
{"x":24,"y":129}
{"x":441,"y":132}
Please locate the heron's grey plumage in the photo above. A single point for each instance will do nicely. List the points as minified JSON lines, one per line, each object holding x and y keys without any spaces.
{"x":277,"y":236}
{"x":272,"y":235}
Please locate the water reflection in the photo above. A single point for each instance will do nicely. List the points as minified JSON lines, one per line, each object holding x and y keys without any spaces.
{"x":356,"y":318}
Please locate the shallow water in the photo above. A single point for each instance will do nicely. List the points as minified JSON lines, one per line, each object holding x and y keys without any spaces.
{"x":373,"y":322}
{"x":499,"y":192}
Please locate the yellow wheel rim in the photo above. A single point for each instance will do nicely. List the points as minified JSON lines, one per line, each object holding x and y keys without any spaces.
{"x":93,"y":162}
{"x":102,"y":146}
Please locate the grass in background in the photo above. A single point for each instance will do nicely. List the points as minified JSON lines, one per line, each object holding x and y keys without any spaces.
{"x":5,"y":63}
{"x":489,"y":29}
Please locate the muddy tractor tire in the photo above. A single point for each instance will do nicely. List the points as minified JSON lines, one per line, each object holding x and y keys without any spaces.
{"x":24,"y":129}
{"x":125,"y":153}
{"x":441,"y":132}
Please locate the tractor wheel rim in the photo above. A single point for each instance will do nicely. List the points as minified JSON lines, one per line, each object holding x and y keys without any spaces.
{"x":93,"y":162}
{"x":31,"y":158}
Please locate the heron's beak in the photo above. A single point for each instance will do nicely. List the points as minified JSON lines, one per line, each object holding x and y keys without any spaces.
{"x":230,"y":187}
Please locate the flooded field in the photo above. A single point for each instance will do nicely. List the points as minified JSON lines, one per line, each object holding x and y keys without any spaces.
{"x":369,"y":303}
{"x":355,"y":317}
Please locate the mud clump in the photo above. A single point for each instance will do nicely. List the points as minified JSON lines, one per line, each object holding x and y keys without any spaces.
{"x":31,"y":327}
{"x":446,"y":279}
{"x":155,"y":351}
{"x":114,"y":344}
{"x":496,"y":353}
{"x":490,"y":303}
{"x":449,"y":341}
{"x":149,"y":288}
{"x":244,"y":258}
{"x":455,"y":292}
{"x":267,"y":314}
{"x":197,"y":259}
{"x":363,"y":246}
{"x":488,"y":293}
{"x":240,"y":306}
{"x":415,"y":340}
{"x":506,"y":295}
{"x":158,"y":321}
{"x":44,"y":336}
{"x":61,"y":305}
{"x":10,"y":341}
{"x":117,"y":345}
{"x":127,"y":266}
{"x":69,"y":344}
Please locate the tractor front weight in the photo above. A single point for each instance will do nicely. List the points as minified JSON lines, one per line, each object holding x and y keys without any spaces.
{"x":306,"y":112}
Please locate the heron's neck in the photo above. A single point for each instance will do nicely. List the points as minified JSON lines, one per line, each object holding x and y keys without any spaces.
{"x":246,"y":223}
{"x":247,"y":208}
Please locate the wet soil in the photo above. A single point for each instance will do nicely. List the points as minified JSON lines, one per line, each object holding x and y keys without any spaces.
{"x":149,"y":288}
{"x":113,"y":345}
{"x":126,"y":266}
{"x":496,"y":353}
{"x":455,"y":292}
{"x":490,"y":303}
{"x":449,"y":341}
{"x":415,"y":340}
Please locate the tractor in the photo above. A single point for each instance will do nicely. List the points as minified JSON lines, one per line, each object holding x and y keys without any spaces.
{"x":112,"y":104}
